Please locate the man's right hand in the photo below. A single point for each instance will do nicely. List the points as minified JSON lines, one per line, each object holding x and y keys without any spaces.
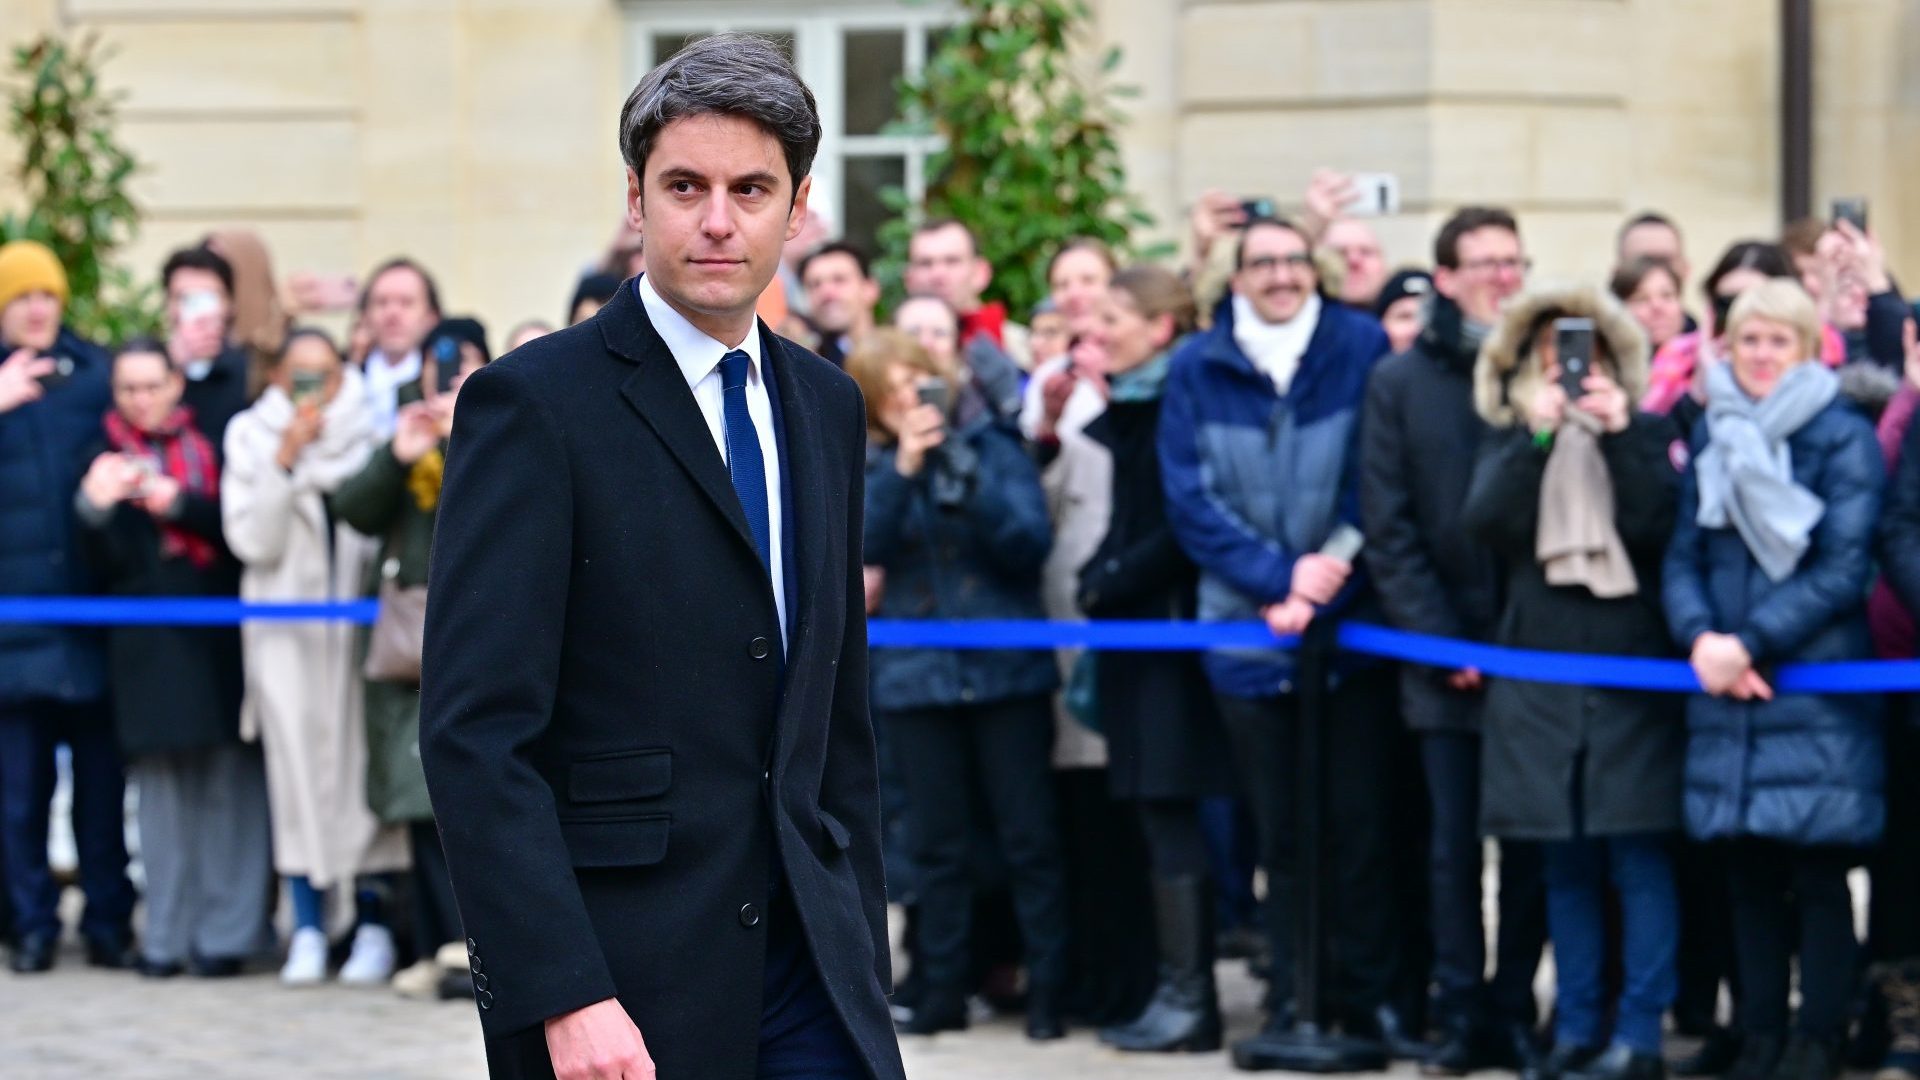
{"x":20,"y":377}
{"x":598,"y":1042}
{"x":1319,"y":578}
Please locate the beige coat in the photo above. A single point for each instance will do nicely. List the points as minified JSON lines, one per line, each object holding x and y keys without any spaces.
{"x":1079,"y":487}
{"x":303,"y":692}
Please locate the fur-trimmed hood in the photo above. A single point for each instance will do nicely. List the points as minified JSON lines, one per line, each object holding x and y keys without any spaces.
{"x":1507,"y":373}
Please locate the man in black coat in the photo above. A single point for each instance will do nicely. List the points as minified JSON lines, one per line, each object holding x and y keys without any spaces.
{"x":644,"y":720}
{"x":1420,"y":433}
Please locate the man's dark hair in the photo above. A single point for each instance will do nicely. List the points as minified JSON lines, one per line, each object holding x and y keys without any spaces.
{"x":1644,"y":217}
{"x":934,"y":225}
{"x":1240,"y":249}
{"x":733,"y":75}
{"x":400,"y":262}
{"x":198,"y":257}
{"x":1446,"y":246}
{"x":837,"y":247}
{"x":1770,"y":259}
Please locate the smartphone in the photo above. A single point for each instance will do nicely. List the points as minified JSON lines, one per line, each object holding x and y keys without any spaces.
{"x":62,"y":373}
{"x":307,"y":386}
{"x":1344,"y":544}
{"x":446,"y":363}
{"x":198,"y":304}
{"x":148,"y":470}
{"x":1258,"y":208}
{"x":1854,"y":209}
{"x":935,"y":392}
{"x":1573,"y":341}
{"x":1379,"y":194}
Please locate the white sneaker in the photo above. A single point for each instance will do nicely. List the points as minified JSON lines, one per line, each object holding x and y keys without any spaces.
{"x":371,"y":961}
{"x":420,"y":982}
{"x":306,"y":958}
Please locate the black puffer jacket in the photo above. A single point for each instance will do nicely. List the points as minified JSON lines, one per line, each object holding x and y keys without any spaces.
{"x":1417,"y":448}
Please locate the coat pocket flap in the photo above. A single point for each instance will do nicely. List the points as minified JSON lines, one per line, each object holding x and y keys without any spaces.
{"x":623,"y":841}
{"x":628,"y":774}
{"x":836,"y":832}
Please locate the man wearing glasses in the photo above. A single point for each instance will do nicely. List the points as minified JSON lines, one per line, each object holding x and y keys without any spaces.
{"x":1258,"y":447}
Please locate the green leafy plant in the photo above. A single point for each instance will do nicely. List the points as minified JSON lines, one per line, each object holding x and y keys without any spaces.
{"x":74,"y":174}
{"x":1031,"y":155}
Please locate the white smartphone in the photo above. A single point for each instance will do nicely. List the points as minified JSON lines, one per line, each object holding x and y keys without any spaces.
{"x":1379,"y":194}
{"x":1344,"y":544}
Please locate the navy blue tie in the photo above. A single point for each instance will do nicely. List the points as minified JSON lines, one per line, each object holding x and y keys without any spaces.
{"x":744,"y":462}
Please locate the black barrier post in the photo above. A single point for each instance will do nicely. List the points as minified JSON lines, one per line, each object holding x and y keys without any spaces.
{"x":1308,"y":1047}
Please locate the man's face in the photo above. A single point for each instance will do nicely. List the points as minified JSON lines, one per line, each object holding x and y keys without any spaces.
{"x":942,"y":263}
{"x":399,"y":313}
{"x":1652,"y":240}
{"x":1276,"y":273}
{"x":1492,"y":269}
{"x":191,"y":280}
{"x":716,"y":205}
{"x":31,"y":321}
{"x":840,"y":297}
{"x":1366,"y":264}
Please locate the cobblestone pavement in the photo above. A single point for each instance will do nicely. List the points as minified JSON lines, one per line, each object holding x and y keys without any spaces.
{"x":77,"y":1023}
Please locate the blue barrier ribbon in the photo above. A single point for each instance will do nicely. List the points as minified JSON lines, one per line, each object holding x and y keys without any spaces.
{"x":1532,"y":665}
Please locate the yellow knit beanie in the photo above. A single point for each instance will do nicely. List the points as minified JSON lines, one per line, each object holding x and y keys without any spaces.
{"x":29,"y":266}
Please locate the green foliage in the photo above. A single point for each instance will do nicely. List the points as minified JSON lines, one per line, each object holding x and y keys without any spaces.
{"x":1031,"y":156}
{"x":75,"y":175}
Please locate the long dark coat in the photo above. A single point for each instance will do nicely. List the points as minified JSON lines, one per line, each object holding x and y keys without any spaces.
{"x":178,"y":687}
{"x":1164,"y":739}
{"x":617,"y":759}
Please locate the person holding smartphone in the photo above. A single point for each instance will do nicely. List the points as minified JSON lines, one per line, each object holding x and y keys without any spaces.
{"x":1573,"y":490}
{"x":956,"y":518}
{"x":149,"y":508}
{"x":286,"y":456}
{"x":53,"y":684}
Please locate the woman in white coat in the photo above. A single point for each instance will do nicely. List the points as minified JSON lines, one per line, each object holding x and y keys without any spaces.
{"x":309,"y":432}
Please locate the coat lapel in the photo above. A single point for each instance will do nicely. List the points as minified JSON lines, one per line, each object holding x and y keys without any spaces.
{"x":659,"y":393}
{"x":807,"y":514}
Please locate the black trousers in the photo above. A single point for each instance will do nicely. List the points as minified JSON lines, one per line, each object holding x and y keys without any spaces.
{"x":1893,"y":911}
{"x":1706,"y":956}
{"x":1770,"y":880}
{"x":29,"y":735}
{"x":1175,"y":842}
{"x":1452,"y":763}
{"x":1005,"y":749}
{"x":1360,"y":934}
{"x":436,"y":920}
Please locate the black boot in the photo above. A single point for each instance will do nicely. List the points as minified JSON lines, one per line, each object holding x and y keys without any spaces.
{"x":1717,"y":1053}
{"x":1621,"y":1062}
{"x":1184,"y":1014}
{"x":1561,"y":1062}
{"x":1808,"y":1058}
{"x":939,"y":1009}
{"x":1461,"y":1049}
{"x":1759,"y":1054}
{"x":33,"y":953}
{"x":1044,"y":1020}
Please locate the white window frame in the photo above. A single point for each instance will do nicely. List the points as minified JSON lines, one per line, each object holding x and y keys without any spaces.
{"x":819,"y":57}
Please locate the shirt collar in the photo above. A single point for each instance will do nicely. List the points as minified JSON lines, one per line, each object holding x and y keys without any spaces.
{"x":692,"y":349}
{"x":379,"y":365}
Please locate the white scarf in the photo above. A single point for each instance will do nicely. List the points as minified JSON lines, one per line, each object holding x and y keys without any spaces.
{"x":1275,"y":348}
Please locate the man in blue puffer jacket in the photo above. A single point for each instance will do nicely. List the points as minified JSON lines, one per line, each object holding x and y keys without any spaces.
{"x":1259,"y":450}
{"x":53,"y":394}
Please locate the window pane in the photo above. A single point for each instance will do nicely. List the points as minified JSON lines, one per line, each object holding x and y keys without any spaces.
{"x":865,"y":213}
{"x":875,"y":61}
{"x":665,"y":45}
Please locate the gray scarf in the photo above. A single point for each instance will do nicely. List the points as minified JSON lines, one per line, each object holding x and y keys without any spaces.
{"x":1745,"y":474}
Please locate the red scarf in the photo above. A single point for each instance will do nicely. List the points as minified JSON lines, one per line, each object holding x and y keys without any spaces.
{"x":187,"y":457}
{"x":988,"y":319}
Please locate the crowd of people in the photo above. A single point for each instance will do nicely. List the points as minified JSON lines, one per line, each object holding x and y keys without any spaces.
{"x":1284,"y":429}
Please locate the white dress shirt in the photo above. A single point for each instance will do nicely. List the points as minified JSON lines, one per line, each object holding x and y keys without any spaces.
{"x":699,"y":358}
{"x":384,"y":379}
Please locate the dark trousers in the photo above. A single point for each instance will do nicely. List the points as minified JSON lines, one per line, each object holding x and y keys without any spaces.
{"x":1770,"y":880}
{"x":1451,"y":760}
{"x":1706,"y":936}
{"x":801,"y":1037}
{"x":1005,"y":748}
{"x":1580,"y":873}
{"x":1175,"y":843}
{"x":436,"y":919}
{"x":1893,"y":910}
{"x":1360,"y":722}
{"x":28,"y":736}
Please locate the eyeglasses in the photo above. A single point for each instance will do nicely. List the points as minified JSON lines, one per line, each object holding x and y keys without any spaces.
{"x":1494,"y":266}
{"x":1267,"y":264}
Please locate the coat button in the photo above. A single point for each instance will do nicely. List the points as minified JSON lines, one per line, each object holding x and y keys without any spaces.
{"x":479,"y":982}
{"x":749,"y":916}
{"x":473,"y":946}
{"x":485,"y":998}
{"x":760,"y":648}
{"x":476,"y":965}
